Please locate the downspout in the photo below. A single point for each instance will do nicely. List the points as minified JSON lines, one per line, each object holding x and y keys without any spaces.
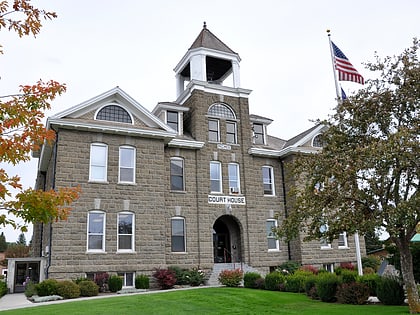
{"x":285,"y":204}
{"x":53,"y":187}
{"x":41,"y":237}
{"x":197,"y":206}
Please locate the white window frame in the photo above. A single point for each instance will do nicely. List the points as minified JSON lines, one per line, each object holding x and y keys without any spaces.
{"x":95,"y":150}
{"x":217,"y":131}
{"x":177,"y":120}
{"x":183,"y":235}
{"x":219,"y":178}
{"x":329,"y":267}
{"x":259,"y":135}
{"x":127,"y":167}
{"x":98,"y":250}
{"x":323,"y":241}
{"x":124,"y":277}
{"x":131,"y":249}
{"x":271,"y":183}
{"x":235,"y":132}
{"x":271,"y":235}
{"x":345,"y":241}
{"x":178,"y":175}
{"x":234,"y":189}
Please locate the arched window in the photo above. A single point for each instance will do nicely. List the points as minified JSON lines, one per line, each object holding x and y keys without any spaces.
{"x":317,"y":141}
{"x":221,"y":110}
{"x":114,"y":113}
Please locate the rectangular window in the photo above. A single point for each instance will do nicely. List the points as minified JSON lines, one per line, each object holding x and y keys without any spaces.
{"x":96,"y":231}
{"x":273,"y":242}
{"x":172,"y":120}
{"x":127,"y":164}
{"x":234,"y":182}
{"x":98,"y":162}
{"x":177,"y":174}
{"x":178,"y":235}
{"x":329,"y":267}
{"x":342,"y":240}
{"x":215,"y":177}
{"x":231,"y":132}
{"x":258,"y":133}
{"x":214,"y":130}
{"x":268,"y":180}
{"x":125,"y":231}
{"x":128,"y":279}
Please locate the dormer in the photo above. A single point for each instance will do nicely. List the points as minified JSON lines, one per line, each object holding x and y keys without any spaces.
{"x":259,"y":128}
{"x":172,"y":114}
{"x":207,"y":60}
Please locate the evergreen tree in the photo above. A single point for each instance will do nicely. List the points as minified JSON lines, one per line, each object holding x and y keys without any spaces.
{"x":21,"y":239}
{"x":3,"y":243}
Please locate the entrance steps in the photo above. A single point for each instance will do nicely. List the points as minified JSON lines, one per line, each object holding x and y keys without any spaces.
{"x":219,"y":267}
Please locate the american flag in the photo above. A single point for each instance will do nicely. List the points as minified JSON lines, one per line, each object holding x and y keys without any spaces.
{"x":346,"y":71}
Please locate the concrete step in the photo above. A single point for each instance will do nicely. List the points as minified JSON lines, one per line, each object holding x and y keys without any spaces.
{"x":219,"y":267}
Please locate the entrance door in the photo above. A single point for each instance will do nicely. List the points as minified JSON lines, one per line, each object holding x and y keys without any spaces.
{"x":24,"y":272}
{"x":221,"y":248}
{"x":226,"y":240}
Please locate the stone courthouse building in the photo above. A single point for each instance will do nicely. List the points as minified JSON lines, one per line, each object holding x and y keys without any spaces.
{"x":197,"y":182}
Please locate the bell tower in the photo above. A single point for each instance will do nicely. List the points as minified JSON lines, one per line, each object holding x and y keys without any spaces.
{"x":208,"y":60}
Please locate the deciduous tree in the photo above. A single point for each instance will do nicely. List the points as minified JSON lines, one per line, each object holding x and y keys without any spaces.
{"x":22,"y":130}
{"x":367,"y":174}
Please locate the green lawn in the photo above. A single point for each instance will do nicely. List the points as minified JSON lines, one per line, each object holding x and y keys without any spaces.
{"x":209,"y":301}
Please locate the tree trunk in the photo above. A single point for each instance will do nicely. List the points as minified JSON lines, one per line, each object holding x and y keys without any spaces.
{"x":408,"y":276}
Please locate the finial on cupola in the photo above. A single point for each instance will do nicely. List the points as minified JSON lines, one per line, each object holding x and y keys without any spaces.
{"x":204,"y":24}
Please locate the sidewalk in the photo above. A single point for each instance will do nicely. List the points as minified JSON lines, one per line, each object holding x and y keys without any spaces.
{"x":13,"y":301}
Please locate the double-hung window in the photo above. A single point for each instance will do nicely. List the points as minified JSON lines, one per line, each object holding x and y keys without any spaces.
{"x":273,"y":242}
{"x":231,"y":132}
{"x":268,"y":180}
{"x":96,"y":231}
{"x":215,"y":177}
{"x":172,"y":120}
{"x":125,"y":231}
{"x":342,"y":240}
{"x":214,"y":131}
{"x":98,"y":162}
{"x":127,"y":164}
{"x":258,"y":133}
{"x":178,"y":234}
{"x":177,"y":174}
{"x":234,"y":181}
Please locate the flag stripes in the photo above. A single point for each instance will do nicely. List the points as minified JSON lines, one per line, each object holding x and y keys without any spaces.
{"x":346,"y":71}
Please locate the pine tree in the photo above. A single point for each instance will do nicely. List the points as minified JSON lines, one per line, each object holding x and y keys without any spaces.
{"x":3,"y":243}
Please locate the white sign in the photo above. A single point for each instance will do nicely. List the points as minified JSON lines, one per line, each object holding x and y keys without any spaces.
{"x":224,"y":146}
{"x":224,"y":200}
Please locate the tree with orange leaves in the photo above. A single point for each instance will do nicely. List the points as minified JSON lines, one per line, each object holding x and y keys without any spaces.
{"x":22,"y":131}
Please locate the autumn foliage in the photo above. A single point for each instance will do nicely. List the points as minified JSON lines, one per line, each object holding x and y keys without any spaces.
{"x":22,"y":131}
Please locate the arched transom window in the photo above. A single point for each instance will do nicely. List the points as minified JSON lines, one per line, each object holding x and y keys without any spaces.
{"x":317,"y":141}
{"x":221,"y":110}
{"x":114,"y":113}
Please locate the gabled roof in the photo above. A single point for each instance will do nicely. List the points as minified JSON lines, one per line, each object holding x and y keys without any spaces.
{"x":207,"y":39}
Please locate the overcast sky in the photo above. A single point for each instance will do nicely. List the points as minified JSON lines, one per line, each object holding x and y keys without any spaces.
{"x":96,"y":45}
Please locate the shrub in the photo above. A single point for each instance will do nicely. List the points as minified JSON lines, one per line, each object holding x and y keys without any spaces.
{"x":142,"y":282}
{"x":231,"y":278}
{"x":274,"y":280}
{"x":68,"y":289}
{"x":296,"y":282}
{"x":288,"y":266}
{"x":180,"y":275}
{"x":195,"y":277}
{"x":352,"y":293}
{"x":115,"y":283}
{"x":347,"y":265}
{"x":250,"y":279}
{"x":310,"y":288}
{"x":30,"y":289}
{"x":88,"y":288}
{"x":47,"y":287}
{"x":368,"y":270}
{"x":370,"y":280}
{"x":165,"y":278}
{"x":309,"y":268}
{"x":371,"y":262}
{"x":326,"y":286}
{"x":348,"y":276}
{"x":260,"y":283}
{"x":101,"y":279}
{"x":389,"y":291}
{"x":3,"y":288}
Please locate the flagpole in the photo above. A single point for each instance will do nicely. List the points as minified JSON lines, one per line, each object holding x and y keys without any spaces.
{"x":337,"y":89}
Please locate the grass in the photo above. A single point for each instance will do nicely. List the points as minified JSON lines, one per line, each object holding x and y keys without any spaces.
{"x":209,"y":301}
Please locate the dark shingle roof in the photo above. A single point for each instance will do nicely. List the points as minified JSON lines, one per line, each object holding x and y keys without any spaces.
{"x":207,"y":39}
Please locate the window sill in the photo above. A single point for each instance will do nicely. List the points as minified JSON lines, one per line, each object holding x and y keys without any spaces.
{"x":343,"y":247}
{"x":326,"y":248}
{"x":96,"y":252}
{"x":179,"y":253}
{"x":178,"y":191}
{"x":269,"y":195}
{"x":126,"y":252}
{"x":127,"y":184}
{"x":274,"y":250}
{"x":92,"y":181}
